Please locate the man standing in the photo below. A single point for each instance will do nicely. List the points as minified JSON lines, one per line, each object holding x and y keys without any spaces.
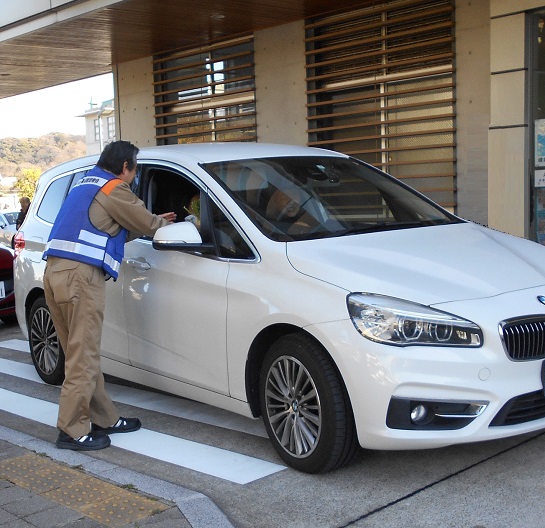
{"x":25,"y":204}
{"x":85,"y":248}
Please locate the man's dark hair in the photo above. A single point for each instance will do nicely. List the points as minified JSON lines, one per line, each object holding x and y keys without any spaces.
{"x":115,"y":154}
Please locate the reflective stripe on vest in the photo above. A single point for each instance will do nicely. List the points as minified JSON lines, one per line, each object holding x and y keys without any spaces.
{"x":92,"y":238}
{"x":77,"y":248}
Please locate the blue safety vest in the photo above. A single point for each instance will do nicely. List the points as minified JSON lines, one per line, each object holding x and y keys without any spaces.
{"x":74,"y":237}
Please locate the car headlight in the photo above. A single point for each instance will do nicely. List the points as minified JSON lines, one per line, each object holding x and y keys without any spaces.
{"x":397,"y":322}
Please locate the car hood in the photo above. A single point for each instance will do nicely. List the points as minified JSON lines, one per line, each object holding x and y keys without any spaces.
{"x":429,"y":265}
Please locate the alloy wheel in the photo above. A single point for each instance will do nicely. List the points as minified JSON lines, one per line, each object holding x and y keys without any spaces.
{"x":293,"y":406}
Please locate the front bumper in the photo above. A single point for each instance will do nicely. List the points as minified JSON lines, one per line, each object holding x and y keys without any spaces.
{"x":488,"y":395}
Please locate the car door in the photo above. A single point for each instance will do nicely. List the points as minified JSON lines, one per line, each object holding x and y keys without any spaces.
{"x":175,"y":303}
{"x":114,"y":344}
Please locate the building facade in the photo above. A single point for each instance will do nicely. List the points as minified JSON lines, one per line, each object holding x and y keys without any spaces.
{"x":99,"y":126}
{"x":515,"y":183}
{"x":381,"y":83}
{"x":443,"y":94}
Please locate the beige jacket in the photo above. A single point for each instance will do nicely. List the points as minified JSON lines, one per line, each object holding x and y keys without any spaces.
{"x":122,"y":208}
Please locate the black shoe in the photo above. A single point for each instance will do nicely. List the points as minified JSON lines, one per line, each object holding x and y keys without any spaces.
{"x":88,"y":442}
{"x":123,"y":425}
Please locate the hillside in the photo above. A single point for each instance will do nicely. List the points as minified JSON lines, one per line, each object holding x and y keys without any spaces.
{"x":43,"y":152}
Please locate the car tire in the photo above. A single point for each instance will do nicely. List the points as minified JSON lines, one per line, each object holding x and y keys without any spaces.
{"x":45,"y":349}
{"x":305,"y":406}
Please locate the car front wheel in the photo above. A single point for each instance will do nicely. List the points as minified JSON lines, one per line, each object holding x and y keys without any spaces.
{"x":305,"y":406}
{"x":45,"y":349}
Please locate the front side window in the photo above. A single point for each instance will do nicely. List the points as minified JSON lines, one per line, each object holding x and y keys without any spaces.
{"x":295,"y":198}
{"x":230,"y":242}
{"x":164,"y":190}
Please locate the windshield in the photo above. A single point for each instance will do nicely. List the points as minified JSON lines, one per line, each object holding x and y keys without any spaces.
{"x":315,"y":197}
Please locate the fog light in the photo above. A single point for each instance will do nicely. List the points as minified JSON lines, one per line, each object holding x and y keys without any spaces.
{"x":419,"y":414}
{"x":438,"y":415}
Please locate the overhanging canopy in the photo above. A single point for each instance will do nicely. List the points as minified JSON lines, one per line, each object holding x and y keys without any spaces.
{"x":81,"y":39}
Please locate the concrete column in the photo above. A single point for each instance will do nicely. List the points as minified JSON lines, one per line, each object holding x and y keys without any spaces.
{"x":508,"y":184}
{"x":133,"y":83}
{"x":279,"y":55}
{"x":472,"y":108}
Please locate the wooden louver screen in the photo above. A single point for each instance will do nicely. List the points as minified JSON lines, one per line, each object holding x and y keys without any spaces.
{"x":380,"y":86}
{"x":206,"y":94}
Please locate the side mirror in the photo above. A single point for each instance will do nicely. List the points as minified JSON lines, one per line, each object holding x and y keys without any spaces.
{"x":182,"y":236}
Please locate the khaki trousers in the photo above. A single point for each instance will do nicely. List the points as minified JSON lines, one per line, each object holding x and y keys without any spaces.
{"x":74,"y":293}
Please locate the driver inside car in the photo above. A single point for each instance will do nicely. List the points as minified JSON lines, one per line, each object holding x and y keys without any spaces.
{"x":285,"y":207}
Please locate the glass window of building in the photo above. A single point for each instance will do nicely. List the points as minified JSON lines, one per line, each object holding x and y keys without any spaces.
{"x":536,"y":71}
{"x":110,"y":121}
{"x":381,"y":87}
{"x":206,"y":94}
{"x":96,"y":123}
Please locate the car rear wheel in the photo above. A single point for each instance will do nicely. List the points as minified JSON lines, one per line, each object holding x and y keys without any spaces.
{"x":45,"y":349}
{"x":305,"y":406}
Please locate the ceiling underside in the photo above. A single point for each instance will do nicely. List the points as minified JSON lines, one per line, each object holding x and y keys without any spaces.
{"x":90,"y":44}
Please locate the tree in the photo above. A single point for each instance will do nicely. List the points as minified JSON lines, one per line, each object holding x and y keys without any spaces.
{"x":43,"y":152}
{"x":26,"y":182}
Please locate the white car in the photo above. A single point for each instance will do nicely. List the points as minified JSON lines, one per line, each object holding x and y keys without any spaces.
{"x":8,"y":222}
{"x":311,"y":289}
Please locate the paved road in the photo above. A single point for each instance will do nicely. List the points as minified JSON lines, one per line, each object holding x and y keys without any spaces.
{"x":228,"y":459}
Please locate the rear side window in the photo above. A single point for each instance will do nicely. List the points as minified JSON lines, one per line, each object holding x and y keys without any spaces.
{"x":55,"y":194}
{"x":77,"y":177}
{"x":53,"y":198}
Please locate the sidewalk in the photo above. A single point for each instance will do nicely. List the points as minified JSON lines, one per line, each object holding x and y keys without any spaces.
{"x":45,"y":487}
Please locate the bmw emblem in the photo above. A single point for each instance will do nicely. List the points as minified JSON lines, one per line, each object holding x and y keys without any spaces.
{"x":541,"y":299}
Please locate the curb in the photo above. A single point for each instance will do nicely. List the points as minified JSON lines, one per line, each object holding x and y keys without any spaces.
{"x":199,"y":510}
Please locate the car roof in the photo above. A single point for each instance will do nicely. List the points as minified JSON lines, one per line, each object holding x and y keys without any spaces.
{"x":209,"y":152}
{"x":202,"y":153}
{"x":212,"y":152}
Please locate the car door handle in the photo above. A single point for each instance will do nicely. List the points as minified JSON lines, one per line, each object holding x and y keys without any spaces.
{"x":138,"y":264}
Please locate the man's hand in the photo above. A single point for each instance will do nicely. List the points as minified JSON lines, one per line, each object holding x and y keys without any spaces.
{"x":169,"y":216}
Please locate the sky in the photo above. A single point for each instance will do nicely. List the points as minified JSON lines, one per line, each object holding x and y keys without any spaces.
{"x":53,"y":109}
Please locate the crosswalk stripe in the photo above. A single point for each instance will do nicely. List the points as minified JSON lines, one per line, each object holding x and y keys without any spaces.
{"x":217,"y":462}
{"x":152,"y":401}
{"x":214,"y":461}
{"x":15,"y":344}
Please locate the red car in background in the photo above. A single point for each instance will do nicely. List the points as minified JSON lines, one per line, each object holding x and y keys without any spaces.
{"x":7,"y":297}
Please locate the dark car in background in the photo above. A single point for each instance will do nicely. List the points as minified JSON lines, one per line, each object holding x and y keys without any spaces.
{"x":7,"y":296}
